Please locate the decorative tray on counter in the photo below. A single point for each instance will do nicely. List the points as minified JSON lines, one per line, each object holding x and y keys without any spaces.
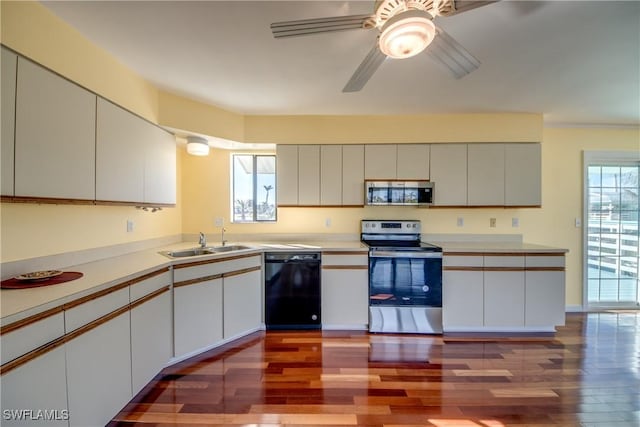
{"x":40,"y":278}
{"x":39,"y":275}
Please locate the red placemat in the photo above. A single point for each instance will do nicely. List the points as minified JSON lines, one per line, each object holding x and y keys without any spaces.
{"x":67,"y":276}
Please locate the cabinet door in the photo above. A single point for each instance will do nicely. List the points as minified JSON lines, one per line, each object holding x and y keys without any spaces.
{"x":99,"y":372}
{"x":120,"y":154}
{"x":40,"y":384}
{"x":55,"y":136}
{"x":287,"y":174}
{"x":462,"y":300}
{"x":309,"y":175}
{"x":197,"y":311}
{"x":345,"y":298}
{"x":150,"y":339}
{"x":160,"y":167}
{"x":413,"y":161}
{"x":8,"y":63}
{"x":242,"y":303}
{"x":545,"y":298}
{"x":380,"y":161}
{"x":353,"y":175}
{"x":485,"y":180}
{"x":504,"y":299}
{"x":331,"y":175}
{"x":449,"y":173}
{"x":523,"y":175}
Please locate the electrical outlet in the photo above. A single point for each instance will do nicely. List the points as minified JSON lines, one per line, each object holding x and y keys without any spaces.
{"x":460,"y":222}
{"x":515,"y":222}
{"x":219,"y":222}
{"x":130,"y":226}
{"x":492,"y":222}
{"x":578,"y":223}
{"x":327,"y":222}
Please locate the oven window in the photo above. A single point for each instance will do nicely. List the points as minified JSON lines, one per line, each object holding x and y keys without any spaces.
{"x":405,"y":281}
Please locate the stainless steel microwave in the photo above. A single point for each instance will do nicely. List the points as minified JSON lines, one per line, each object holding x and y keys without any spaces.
{"x":399,"y":193}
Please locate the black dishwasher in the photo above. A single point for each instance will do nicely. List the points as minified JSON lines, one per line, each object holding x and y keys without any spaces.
{"x":292,"y":290}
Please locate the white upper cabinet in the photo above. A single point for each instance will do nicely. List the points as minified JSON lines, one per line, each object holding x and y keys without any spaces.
{"x":523,"y":175}
{"x":309,"y":175}
{"x":287,"y":174}
{"x":159,"y":167}
{"x":135,"y":160}
{"x":55,"y":136}
{"x":413,"y":161}
{"x":380,"y":161}
{"x":449,"y":174}
{"x":9,"y":63}
{"x":331,"y":175}
{"x":353,"y":175}
{"x":485,"y":180}
{"x":120,"y":140}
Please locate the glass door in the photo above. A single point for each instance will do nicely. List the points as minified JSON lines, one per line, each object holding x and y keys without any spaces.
{"x":612,"y":246}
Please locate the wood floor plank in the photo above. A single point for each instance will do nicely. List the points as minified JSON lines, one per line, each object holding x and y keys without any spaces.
{"x":584,"y":376}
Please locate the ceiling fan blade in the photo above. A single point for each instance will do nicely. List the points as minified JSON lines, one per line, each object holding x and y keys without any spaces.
{"x":450,"y":53}
{"x":320,"y":25}
{"x":460,"y":6}
{"x":371,"y":62}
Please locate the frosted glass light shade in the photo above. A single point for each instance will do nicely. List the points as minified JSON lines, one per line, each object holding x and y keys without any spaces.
{"x":407,"y":34}
{"x":197,"y":146}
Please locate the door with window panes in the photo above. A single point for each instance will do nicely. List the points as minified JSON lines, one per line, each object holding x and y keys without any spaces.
{"x":612,"y":243}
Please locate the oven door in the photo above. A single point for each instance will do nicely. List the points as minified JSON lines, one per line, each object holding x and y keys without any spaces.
{"x":405,"y":278}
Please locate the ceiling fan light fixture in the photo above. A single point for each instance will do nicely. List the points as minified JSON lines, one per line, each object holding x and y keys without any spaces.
{"x":407,"y":34}
{"x":197,"y":146}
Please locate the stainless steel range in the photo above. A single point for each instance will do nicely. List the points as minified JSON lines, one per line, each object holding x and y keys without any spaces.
{"x":405,"y":278}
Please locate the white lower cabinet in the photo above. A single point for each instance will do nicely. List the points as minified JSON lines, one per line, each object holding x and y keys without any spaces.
{"x":462,"y":300}
{"x":151,"y":347}
{"x":99,"y":372}
{"x":39,"y":385}
{"x":197,"y":316}
{"x":345,"y":291}
{"x":242,"y":303}
{"x":504,"y":299}
{"x":503,"y":292}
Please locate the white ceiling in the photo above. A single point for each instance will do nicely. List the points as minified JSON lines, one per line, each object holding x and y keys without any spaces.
{"x":575,"y":62}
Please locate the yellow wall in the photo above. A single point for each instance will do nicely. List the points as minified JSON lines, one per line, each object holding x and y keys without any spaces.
{"x":397,"y":129}
{"x":34,"y":230}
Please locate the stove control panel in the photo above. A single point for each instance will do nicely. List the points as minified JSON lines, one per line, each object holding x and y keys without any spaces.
{"x":390,"y":226}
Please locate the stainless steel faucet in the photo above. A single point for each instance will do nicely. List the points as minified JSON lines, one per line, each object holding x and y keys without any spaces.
{"x":203,"y":240}
{"x":224,"y":242}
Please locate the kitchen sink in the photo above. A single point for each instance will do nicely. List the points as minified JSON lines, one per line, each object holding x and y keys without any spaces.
{"x":203,"y":251}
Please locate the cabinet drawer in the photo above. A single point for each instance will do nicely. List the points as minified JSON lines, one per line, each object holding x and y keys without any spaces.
{"x":147,"y":286}
{"x":462,"y":261}
{"x":92,"y":309}
{"x":545,"y":261}
{"x":185,"y":272}
{"x":23,"y":340}
{"x":344,"y":259}
{"x":504,"y":261}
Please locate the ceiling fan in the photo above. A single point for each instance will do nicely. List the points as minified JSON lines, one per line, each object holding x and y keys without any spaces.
{"x":406,"y":28}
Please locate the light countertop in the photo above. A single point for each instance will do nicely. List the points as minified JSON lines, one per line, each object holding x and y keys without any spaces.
{"x":17,"y":304}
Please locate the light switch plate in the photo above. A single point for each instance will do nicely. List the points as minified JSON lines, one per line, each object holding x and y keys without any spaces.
{"x":515,"y":222}
{"x":460,"y":222}
{"x":218,"y":222}
{"x":130,"y":226}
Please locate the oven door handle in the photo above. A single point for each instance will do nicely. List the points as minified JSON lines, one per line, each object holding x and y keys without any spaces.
{"x":404,"y":254}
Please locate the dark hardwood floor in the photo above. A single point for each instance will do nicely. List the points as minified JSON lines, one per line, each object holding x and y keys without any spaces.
{"x":588,"y":374}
